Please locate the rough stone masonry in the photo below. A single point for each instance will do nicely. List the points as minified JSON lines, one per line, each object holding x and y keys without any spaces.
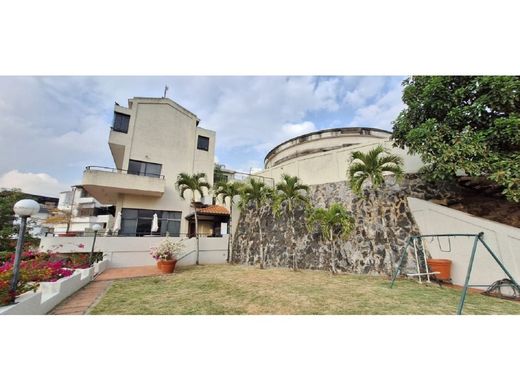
{"x":383,"y":224}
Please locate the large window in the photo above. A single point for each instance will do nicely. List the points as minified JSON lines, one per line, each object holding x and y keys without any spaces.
{"x":203,"y":143}
{"x":138,"y":222}
{"x":121,"y":122}
{"x":142,"y":168}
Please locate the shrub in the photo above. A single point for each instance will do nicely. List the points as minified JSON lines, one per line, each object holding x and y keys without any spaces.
{"x":39,"y":267}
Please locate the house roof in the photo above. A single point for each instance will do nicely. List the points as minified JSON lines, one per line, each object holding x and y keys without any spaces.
{"x":213,"y":210}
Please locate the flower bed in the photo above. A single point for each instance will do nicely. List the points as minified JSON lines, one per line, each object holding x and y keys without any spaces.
{"x":37,"y":267}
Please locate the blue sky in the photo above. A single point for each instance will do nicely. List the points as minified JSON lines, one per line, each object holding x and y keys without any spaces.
{"x":52,"y":127}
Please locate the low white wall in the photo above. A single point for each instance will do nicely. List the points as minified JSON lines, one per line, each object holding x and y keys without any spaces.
{"x":50,"y":294}
{"x":331,"y":166}
{"x":504,"y":240}
{"x":135,"y":251}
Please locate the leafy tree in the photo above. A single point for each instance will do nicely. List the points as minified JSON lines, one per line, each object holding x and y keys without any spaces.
{"x":8,"y":197}
{"x":255,"y":193}
{"x":372,"y":166}
{"x":292,"y":193}
{"x":229,"y":190}
{"x":196,"y":184}
{"x":334,"y":223}
{"x":464,"y":125}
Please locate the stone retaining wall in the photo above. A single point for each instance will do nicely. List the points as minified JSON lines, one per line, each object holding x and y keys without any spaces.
{"x":383,"y":223}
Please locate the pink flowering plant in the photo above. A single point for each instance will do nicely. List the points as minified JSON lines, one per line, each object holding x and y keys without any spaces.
{"x":37,"y":267}
{"x":33,"y":271}
{"x":167,"y":250}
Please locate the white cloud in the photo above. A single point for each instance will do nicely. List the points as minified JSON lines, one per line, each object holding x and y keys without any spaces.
{"x":381,"y":112}
{"x":59,"y":125}
{"x":252,"y":111}
{"x":32,"y":183}
{"x":366,"y":89}
{"x":295,"y":129}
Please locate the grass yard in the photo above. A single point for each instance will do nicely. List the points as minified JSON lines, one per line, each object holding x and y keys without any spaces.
{"x":233,"y":289}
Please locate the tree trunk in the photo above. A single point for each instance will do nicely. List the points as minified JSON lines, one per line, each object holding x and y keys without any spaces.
{"x":332,"y":253}
{"x":229,"y":246}
{"x":196,"y":234}
{"x":261,"y":242}
{"x":291,"y":221}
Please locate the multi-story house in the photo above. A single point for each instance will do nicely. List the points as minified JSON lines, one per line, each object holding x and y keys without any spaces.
{"x":77,"y":213}
{"x":152,"y":141}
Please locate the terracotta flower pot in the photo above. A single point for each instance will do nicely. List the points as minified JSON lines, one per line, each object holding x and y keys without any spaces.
{"x":440,"y":265}
{"x":166,"y":266}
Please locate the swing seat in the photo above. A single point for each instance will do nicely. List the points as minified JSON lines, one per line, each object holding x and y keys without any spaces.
{"x":424,"y":273}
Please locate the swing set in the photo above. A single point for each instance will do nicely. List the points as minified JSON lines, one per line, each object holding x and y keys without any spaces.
{"x":417,"y":242}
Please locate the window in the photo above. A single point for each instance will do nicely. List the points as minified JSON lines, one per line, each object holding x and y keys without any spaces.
{"x":121,"y":122}
{"x":203,"y":143}
{"x":142,"y":168}
{"x":138,"y":222}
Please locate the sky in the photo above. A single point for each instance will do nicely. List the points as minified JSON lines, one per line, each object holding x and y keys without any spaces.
{"x":51,"y":128}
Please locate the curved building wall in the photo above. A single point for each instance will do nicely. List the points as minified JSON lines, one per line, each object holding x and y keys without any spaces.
{"x":324,"y":157}
{"x":322,"y":141}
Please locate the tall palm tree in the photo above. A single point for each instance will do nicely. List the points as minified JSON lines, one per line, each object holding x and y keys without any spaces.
{"x":256,"y":193}
{"x":229,"y":190}
{"x":194,"y":183}
{"x":335,"y":223}
{"x":372,"y":166}
{"x":293,"y":193}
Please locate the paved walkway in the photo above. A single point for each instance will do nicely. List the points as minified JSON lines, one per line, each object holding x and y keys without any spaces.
{"x":81,"y":301}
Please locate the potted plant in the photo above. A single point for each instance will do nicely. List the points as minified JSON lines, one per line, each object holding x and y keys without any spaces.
{"x":166,"y":255}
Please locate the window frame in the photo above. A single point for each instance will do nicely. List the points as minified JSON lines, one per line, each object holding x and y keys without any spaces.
{"x":199,"y":147}
{"x":144,"y":173}
{"x":117,"y":125}
{"x":140,"y":220}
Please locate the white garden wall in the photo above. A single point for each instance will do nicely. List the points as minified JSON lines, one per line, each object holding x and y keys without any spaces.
{"x":504,"y":240}
{"x":50,"y":294}
{"x":135,"y":251}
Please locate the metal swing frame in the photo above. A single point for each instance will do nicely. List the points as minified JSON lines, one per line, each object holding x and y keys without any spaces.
{"x":477,"y":238}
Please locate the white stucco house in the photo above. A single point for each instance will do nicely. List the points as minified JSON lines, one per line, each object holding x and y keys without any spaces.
{"x":152,"y":141}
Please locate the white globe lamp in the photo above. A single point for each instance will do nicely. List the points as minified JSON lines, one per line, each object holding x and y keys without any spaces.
{"x":24,"y":209}
{"x":96,"y":228}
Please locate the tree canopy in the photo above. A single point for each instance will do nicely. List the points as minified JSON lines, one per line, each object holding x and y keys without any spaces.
{"x":8,"y":197}
{"x":464,"y":125}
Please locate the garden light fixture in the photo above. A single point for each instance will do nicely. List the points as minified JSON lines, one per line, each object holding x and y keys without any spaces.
{"x":24,"y":209}
{"x":96,"y":228}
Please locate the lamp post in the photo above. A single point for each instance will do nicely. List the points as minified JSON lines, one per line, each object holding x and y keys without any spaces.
{"x":24,"y":209}
{"x":96,"y":228}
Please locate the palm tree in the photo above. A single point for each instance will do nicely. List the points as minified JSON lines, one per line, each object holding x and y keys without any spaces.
{"x":256,"y":193}
{"x":335,"y":223}
{"x":194,"y":183}
{"x":372,"y":166}
{"x":229,"y":190}
{"x":293,"y":193}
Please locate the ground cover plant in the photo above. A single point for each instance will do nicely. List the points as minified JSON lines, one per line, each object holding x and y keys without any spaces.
{"x":234,"y":289}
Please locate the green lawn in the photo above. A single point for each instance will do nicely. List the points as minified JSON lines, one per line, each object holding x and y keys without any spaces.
{"x":233,"y":289}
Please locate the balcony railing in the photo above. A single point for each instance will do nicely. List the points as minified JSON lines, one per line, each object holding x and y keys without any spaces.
{"x":123,"y":171}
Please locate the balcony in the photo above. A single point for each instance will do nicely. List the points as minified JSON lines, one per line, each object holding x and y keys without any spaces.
{"x":117,"y":142}
{"x":106,"y":184}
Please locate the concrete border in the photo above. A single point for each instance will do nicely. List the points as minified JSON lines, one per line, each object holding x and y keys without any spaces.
{"x":50,"y":294}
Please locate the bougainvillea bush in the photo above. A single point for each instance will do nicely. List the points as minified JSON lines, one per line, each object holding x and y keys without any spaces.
{"x":37,"y":267}
{"x":32,"y":273}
